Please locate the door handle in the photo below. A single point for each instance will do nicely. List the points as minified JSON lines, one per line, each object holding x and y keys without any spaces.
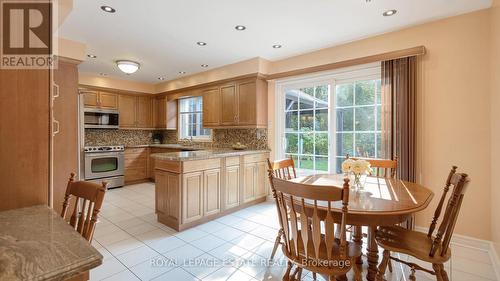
{"x":55,"y":124}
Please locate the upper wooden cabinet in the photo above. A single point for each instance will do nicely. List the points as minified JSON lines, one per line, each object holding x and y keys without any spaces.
{"x":165,"y":114}
{"x":97,"y":99}
{"x":211,"y":109}
{"x":135,"y":111}
{"x":241,"y":103}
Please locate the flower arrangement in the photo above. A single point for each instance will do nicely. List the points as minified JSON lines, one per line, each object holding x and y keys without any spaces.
{"x":357,"y":168}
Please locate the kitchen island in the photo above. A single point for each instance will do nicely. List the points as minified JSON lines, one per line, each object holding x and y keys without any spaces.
{"x":193,"y":187}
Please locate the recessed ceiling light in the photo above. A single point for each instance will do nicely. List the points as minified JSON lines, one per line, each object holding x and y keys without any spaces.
{"x":389,"y":13}
{"x":161,"y":78}
{"x":240,"y":27}
{"x":201,"y":43}
{"x":204,"y":65}
{"x":108,"y":9}
{"x":277,"y":46}
{"x":182,"y":72}
{"x":128,"y":66}
{"x":91,"y":56}
{"x":103,"y":74}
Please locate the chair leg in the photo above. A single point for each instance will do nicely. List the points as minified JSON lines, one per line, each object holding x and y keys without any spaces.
{"x":314,"y":276}
{"x":438,"y":269}
{"x":276,"y":243}
{"x":286,"y":276}
{"x":383,"y":265}
{"x":390,"y":266}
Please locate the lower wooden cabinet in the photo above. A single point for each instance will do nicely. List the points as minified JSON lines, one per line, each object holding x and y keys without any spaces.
{"x":211,"y":189}
{"x":167,"y":195}
{"x":232,"y":186}
{"x":136,"y":164}
{"x":254,"y":181}
{"x":192,"y":196}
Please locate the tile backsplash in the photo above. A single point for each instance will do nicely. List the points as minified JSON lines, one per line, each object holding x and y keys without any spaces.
{"x":252,"y":138}
{"x":95,"y":137}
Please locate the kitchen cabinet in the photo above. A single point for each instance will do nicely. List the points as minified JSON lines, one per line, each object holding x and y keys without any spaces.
{"x":167,"y":195}
{"x":135,"y":111}
{"x":136,"y":164}
{"x":211,"y":107}
{"x":98,"y":99}
{"x":151,"y":163}
{"x":211,"y":189}
{"x":237,"y":104}
{"x":254,"y":177}
{"x":165,"y":114}
{"x":232,"y":187}
{"x":192,"y":196}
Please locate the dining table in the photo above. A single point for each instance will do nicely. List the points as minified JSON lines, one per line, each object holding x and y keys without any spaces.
{"x":380,"y":202}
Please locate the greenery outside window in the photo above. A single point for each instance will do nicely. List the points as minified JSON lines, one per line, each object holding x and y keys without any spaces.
{"x":191,"y":120}
{"x":322,"y":118}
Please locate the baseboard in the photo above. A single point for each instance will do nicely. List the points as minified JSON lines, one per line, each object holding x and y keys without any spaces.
{"x":479,"y":244}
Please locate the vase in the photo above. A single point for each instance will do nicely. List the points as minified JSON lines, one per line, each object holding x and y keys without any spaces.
{"x":357,"y":182}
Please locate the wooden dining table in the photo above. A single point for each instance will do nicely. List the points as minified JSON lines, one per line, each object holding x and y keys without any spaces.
{"x":382,"y":202}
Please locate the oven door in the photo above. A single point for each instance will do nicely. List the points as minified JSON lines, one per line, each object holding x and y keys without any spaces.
{"x":101,"y":119}
{"x":103,"y":165}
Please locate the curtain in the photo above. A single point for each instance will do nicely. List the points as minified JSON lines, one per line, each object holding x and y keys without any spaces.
{"x":399,"y":114}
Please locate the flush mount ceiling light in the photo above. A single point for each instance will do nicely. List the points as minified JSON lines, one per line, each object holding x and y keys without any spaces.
{"x":201,"y":43}
{"x":128,"y":66}
{"x":240,"y":27}
{"x":182,"y":72}
{"x":204,"y":65}
{"x":91,"y":56}
{"x":389,"y":13}
{"x":277,"y":46}
{"x":108,"y":9}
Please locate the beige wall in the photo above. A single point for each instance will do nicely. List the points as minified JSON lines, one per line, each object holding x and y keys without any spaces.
{"x":241,"y":68}
{"x":495,"y":123}
{"x":86,"y":79}
{"x":453,"y":105}
{"x":71,"y":49}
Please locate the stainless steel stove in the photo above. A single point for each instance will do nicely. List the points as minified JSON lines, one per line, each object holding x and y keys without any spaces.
{"x":105,"y":163}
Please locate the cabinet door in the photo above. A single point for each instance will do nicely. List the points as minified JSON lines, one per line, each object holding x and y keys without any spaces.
{"x":249,"y":171}
{"x":108,"y":100}
{"x":167,"y":194}
{"x":211,"y":108}
{"x":126,"y":108}
{"x":192,"y":194}
{"x":247,"y":102}
{"x":232,"y":195}
{"x":261,"y":180}
{"x":144,"y":117}
{"x":211,"y":186}
{"x":229,"y":105}
{"x":161,"y":115}
{"x":90,"y":99}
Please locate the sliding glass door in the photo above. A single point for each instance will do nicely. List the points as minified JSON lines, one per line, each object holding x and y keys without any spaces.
{"x":320,"y":120}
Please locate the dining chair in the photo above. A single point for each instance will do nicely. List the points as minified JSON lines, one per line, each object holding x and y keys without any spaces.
{"x":83,"y":220}
{"x":425,"y":246}
{"x":283,"y":169}
{"x":307,"y":221}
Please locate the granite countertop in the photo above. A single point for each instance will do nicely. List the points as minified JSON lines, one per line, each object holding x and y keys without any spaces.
{"x":168,"y":145}
{"x":203,"y":154}
{"x":37,"y":244}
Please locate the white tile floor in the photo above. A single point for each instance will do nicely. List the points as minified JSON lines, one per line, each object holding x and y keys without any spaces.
{"x":136,"y":247}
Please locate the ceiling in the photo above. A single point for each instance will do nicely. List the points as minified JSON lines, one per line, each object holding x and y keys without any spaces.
{"x":161,"y":34}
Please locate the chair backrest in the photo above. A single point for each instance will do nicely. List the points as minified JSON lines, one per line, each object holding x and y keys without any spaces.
{"x":384,"y":168}
{"x":283,"y":169}
{"x":307,"y":226}
{"x":459,"y":181}
{"x":84,"y":216}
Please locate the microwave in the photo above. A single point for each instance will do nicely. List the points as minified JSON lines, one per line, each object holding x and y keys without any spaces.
{"x":95,"y":118}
